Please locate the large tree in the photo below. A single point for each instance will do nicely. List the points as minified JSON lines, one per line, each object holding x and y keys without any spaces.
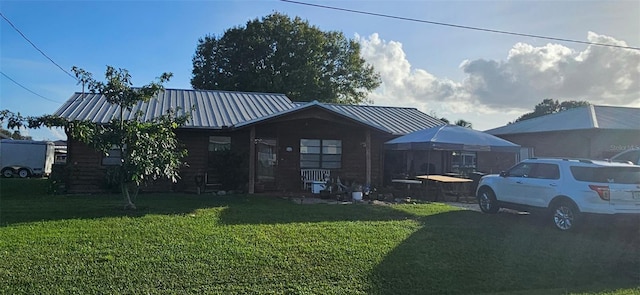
{"x":283,"y":55}
{"x":550,"y":106}
{"x":148,"y":149}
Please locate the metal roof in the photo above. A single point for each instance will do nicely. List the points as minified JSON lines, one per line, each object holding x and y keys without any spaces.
{"x":213,"y":109}
{"x":582,"y":118}
{"x":394,"y":120}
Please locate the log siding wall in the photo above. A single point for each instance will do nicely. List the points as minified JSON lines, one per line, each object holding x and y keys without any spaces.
{"x":86,"y":173}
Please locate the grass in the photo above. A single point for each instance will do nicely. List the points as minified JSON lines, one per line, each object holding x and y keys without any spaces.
{"x":181,"y":243}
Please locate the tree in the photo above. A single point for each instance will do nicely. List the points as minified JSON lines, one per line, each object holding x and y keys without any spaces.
{"x":6,"y":115}
{"x":14,"y":135}
{"x":550,"y":106}
{"x":149,"y":150}
{"x":283,"y":55}
{"x":464,"y":123}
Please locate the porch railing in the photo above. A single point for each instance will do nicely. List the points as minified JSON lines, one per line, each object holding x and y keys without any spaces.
{"x":308,"y":176}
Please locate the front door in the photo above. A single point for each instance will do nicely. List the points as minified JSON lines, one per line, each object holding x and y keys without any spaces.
{"x":267,"y":160}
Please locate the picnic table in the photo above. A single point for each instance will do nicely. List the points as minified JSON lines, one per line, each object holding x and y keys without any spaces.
{"x":408,"y":182}
{"x":448,"y":185}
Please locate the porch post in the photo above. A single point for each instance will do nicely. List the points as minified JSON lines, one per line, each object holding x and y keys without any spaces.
{"x":252,"y":160}
{"x":368,"y":157}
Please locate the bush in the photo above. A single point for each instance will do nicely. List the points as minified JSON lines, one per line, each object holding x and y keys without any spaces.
{"x":58,"y":179}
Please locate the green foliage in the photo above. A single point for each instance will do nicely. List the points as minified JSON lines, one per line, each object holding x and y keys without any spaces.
{"x":459,"y":122}
{"x":6,"y":115}
{"x":463,"y":123}
{"x":57,"y":178}
{"x":149,"y":148}
{"x":550,"y":106}
{"x":190,"y":244}
{"x":283,"y":55}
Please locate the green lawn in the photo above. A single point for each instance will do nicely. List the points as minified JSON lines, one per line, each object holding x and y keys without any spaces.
{"x":182,"y":243}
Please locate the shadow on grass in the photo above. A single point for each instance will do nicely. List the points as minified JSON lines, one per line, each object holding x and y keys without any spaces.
{"x":26,"y":200}
{"x":60,"y":207}
{"x":21,"y":203}
{"x":466,"y":252}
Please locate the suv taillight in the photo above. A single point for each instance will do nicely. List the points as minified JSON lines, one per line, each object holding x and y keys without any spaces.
{"x":602,"y":190}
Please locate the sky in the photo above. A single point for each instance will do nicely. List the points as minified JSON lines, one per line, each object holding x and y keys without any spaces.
{"x":485,"y":78}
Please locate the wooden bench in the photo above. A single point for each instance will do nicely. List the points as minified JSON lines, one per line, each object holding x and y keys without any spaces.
{"x":308,"y":176}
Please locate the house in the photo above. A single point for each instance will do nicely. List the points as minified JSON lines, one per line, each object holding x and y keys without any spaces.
{"x":275,"y":138}
{"x":594,"y":132}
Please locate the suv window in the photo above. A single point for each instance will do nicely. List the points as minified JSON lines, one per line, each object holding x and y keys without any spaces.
{"x":545,"y":171}
{"x":520,"y":170}
{"x":535,"y":170}
{"x":624,"y":175}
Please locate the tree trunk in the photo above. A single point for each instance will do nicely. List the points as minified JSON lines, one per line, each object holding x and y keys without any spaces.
{"x":125,"y":192}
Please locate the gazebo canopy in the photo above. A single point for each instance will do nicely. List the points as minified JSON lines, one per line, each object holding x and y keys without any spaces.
{"x":451,"y":138}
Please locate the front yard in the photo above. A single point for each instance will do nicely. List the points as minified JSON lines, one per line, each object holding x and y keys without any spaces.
{"x":197,"y":244}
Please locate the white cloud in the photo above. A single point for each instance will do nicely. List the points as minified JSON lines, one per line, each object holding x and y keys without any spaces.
{"x":51,"y":134}
{"x":58,"y":133}
{"x":510,"y":87}
{"x":600,"y":75}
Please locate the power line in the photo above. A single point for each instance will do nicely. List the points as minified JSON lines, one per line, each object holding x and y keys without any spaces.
{"x":459,"y":26}
{"x":27,"y":89}
{"x":36,"y":47}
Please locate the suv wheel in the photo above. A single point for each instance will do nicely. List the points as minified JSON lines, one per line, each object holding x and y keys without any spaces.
{"x":564,"y":215}
{"x":487,"y":201}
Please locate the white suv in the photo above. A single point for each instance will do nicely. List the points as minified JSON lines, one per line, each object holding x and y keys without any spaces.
{"x":564,"y":189}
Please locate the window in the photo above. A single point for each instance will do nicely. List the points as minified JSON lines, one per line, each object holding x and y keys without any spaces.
{"x":623,"y":175}
{"x":112,"y":158}
{"x":546,"y":171}
{"x":321,"y":153}
{"x":463,"y":162}
{"x":520,"y":170}
{"x":219,"y":143}
{"x":219,"y":152}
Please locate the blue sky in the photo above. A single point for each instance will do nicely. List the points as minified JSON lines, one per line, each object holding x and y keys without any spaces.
{"x":485,"y":78}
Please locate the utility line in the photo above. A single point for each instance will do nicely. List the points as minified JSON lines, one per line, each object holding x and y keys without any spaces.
{"x":27,"y":89}
{"x":458,"y":26}
{"x":36,"y":47}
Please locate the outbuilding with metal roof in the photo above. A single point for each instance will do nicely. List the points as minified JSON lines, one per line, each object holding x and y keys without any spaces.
{"x":594,"y":132}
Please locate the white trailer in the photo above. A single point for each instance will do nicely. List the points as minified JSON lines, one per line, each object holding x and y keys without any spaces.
{"x":26,"y":158}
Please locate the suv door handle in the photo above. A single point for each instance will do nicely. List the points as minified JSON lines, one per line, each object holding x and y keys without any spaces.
{"x":553,"y":184}
{"x":519,"y":182}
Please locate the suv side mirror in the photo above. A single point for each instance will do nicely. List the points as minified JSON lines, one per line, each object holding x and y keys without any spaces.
{"x":503,"y":174}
